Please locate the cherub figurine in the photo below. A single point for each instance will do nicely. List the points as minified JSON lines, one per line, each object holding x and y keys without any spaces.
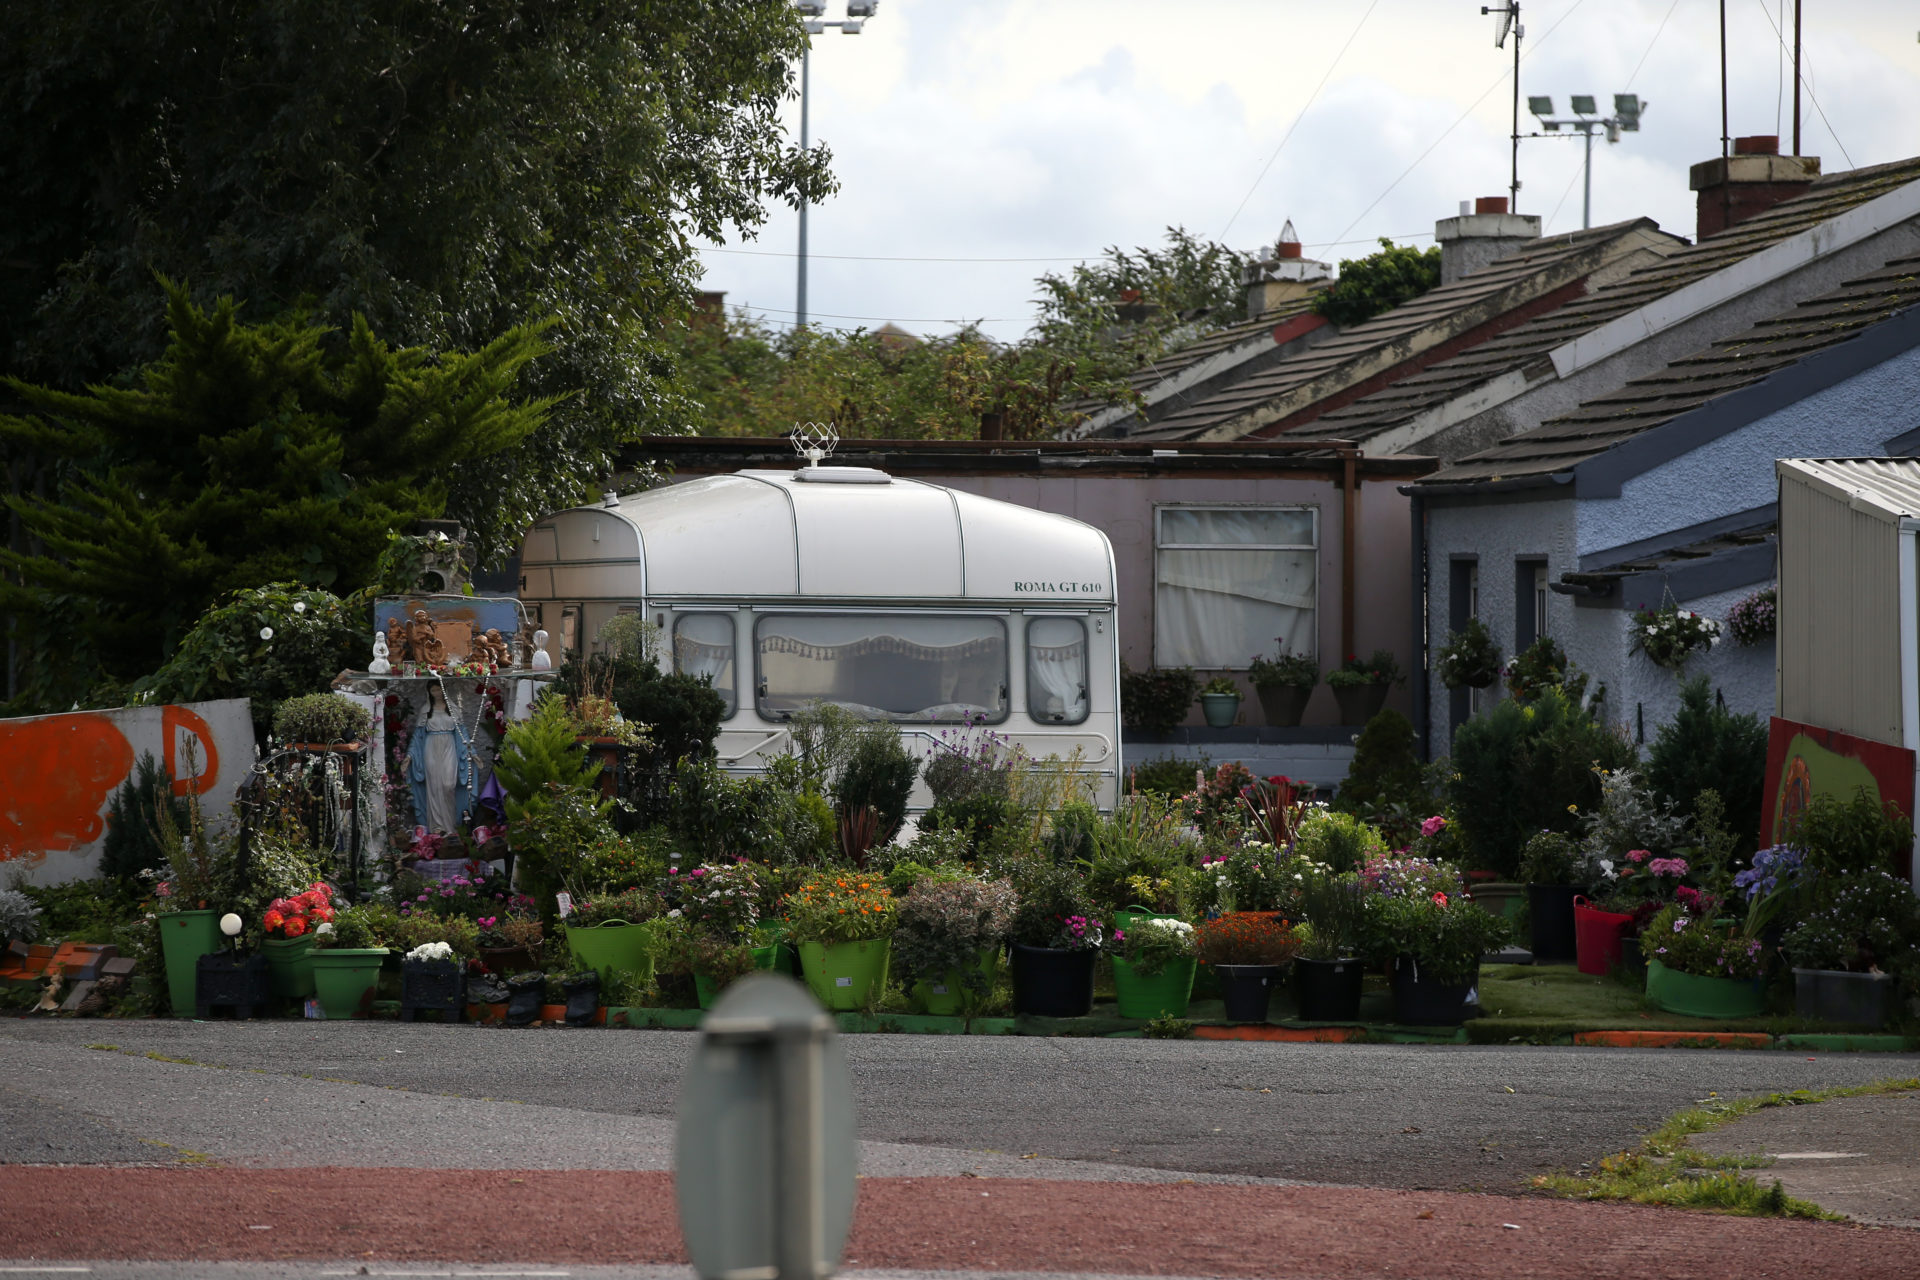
{"x":423,"y":638}
{"x":398,"y":650}
{"x":491,"y":648}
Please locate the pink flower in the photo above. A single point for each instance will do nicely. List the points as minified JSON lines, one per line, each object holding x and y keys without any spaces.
{"x":1668,"y":866}
{"x":1433,"y":826}
{"x":1638,"y":855}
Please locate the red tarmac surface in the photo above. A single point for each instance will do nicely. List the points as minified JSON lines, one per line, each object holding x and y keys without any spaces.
{"x":492,"y":1217}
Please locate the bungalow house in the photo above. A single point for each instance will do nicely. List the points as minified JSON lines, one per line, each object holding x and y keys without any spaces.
{"x":1221,"y":551}
{"x":1663,"y":491}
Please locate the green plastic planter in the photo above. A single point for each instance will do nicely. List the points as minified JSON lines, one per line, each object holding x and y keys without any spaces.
{"x":614,"y":947}
{"x":946,"y":997}
{"x":1164,"y":995}
{"x":775,"y":957}
{"x":1698,"y":997}
{"x":290,"y":960}
{"x":185,"y":936}
{"x":1126,"y":917}
{"x":346,"y":979}
{"x":845,"y":975}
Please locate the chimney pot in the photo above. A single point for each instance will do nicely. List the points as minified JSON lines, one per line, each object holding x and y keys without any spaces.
{"x":1490,"y":204}
{"x":1760,"y":144}
{"x":1289,"y":248}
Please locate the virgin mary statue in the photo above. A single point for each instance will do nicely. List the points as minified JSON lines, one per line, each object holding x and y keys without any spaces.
{"x":440,"y":767}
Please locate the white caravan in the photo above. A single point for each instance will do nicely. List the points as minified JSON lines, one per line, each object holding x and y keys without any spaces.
{"x":899,"y":600}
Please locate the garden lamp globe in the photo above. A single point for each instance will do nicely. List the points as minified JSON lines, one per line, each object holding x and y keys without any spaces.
{"x":231,"y":925}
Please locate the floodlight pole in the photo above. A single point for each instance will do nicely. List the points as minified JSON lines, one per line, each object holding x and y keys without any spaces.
{"x":810,"y":11}
{"x":1519,"y":32}
{"x":1586,"y":126}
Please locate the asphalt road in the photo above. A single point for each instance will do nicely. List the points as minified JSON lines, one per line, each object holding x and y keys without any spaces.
{"x":452,"y":1097}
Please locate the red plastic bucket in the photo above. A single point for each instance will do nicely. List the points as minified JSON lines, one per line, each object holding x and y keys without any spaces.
{"x":1597,"y":937}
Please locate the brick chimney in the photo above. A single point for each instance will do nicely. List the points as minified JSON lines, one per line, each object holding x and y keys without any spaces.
{"x":1283,"y":275}
{"x":1472,"y":240}
{"x":1752,"y":180}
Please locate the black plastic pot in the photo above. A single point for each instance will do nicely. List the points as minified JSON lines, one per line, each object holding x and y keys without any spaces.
{"x":223,"y":980}
{"x":526,"y":993}
{"x":433,"y":986}
{"x":1052,"y":984}
{"x":1418,"y":1000}
{"x":1551,"y":906}
{"x":1246,"y":989}
{"x":583,"y":997}
{"x":1327,"y":990}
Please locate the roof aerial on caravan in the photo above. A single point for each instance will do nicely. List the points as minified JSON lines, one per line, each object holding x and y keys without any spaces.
{"x":830,"y":532}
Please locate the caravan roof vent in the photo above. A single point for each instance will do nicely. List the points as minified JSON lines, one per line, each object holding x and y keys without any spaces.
{"x":842,"y":475}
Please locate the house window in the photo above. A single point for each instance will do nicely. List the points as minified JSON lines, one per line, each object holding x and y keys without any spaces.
{"x":703,"y":646}
{"x":924,"y":667}
{"x":1057,"y":670}
{"x":1529,"y":601}
{"x":1233,"y":582}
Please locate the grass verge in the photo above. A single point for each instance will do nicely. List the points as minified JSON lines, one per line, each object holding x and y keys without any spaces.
{"x":1665,"y":1170}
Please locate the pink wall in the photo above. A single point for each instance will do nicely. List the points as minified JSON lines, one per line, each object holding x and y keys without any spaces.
{"x":1122,"y":508}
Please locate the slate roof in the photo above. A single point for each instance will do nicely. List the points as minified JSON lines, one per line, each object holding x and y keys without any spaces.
{"x":1438,"y":315}
{"x":1672,"y":562}
{"x":1523,"y":345}
{"x":1743,"y":360}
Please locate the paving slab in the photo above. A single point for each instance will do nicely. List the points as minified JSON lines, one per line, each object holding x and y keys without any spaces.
{"x":1857,"y":1156}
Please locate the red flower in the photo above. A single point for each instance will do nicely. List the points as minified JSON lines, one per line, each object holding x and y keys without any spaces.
{"x":273,"y":920}
{"x":1440,"y":898}
{"x":296,"y":926}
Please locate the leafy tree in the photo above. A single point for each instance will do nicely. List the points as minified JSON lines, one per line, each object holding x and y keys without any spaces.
{"x":1380,"y":282}
{"x":1707,"y":746}
{"x":448,"y":170}
{"x":246,"y":454}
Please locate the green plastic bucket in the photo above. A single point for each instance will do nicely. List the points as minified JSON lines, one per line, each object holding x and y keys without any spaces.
{"x":845,"y":975}
{"x":290,"y":961}
{"x":185,"y":936}
{"x":1164,"y":995}
{"x":614,"y":947}
{"x":946,"y":996}
{"x":1698,"y":997}
{"x":346,"y":979}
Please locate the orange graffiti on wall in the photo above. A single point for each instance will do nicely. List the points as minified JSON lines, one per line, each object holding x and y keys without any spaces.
{"x":174,"y":719}
{"x":55,"y":777}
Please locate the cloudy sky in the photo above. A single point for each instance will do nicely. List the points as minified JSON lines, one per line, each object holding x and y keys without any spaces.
{"x":981,"y":144}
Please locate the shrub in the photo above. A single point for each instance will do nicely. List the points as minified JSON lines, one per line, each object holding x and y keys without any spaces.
{"x":1628,"y":817}
{"x":682,"y":712}
{"x":629,"y":906}
{"x":879,"y":775}
{"x":1385,"y":771}
{"x":132,"y":843}
{"x":1152,"y":944}
{"x":1054,"y":909}
{"x":721,"y":901}
{"x":1543,"y":665}
{"x":1871,"y":921}
{"x":1299,"y":670}
{"x":1706,"y":746}
{"x":1444,"y":935}
{"x":838,"y":908}
{"x":19,"y":917}
{"x":1554,"y":857}
{"x":1156,"y":700}
{"x":1338,"y":908}
{"x":1167,"y":776}
{"x":944,"y":925}
{"x":1520,"y":768}
{"x":321,"y":718}
{"x":1852,"y":837}
{"x":1379,"y":282}
{"x":1338,"y":840}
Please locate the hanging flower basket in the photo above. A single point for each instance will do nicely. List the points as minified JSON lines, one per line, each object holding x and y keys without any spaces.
{"x":1469,"y":659}
{"x":1755,"y":618}
{"x":1670,"y":635}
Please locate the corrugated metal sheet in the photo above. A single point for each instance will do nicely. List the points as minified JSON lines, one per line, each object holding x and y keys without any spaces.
{"x":1839,"y":619}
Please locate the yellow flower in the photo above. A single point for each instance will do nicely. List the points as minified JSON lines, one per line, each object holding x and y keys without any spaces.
{"x":1573,"y":808}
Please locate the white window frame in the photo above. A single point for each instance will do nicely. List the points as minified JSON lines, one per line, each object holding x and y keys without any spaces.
{"x":1313,"y":513}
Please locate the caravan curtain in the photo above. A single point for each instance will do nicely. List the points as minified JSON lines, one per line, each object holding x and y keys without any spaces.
{"x":703,"y":646}
{"x":923,"y":667}
{"x":1057,"y":670}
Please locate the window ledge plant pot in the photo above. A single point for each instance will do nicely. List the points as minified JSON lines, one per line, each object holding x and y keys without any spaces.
{"x":347,"y":979}
{"x":1247,"y":990}
{"x":1836,"y":995}
{"x":845,"y":976}
{"x":1698,"y":997}
{"x":1359,"y":703}
{"x":1049,"y":982}
{"x":1220,"y":709}
{"x":1284,"y":705}
{"x":1160,"y":995}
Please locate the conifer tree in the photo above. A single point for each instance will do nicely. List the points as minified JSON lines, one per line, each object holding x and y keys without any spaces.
{"x":538,"y":754}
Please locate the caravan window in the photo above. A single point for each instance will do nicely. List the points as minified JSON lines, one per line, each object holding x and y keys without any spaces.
{"x":1057,"y":670}
{"x":885,"y":666}
{"x":703,"y":646}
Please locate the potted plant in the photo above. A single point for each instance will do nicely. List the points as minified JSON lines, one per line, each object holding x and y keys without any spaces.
{"x":842,"y":921}
{"x":1360,"y":685}
{"x":1753,"y":619}
{"x":1556,"y":872}
{"x":613,"y":932}
{"x":1469,"y":659}
{"x":1669,"y":635}
{"x":322,"y":720}
{"x":1156,"y":700}
{"x":1626,"y":896}
{"x":1284,"y":684}
{"x":1153,"y":967}
{"x":1435,"y":944}
{"x":288,"y":924}
{"x":713,"y":963}
{"x":1854,"y":949}
{"x":1055,"y":939}
{"x":1702,"y":965}
{"x":1328,"y":972}
{"x":433,"y":980}
{"x":510,"y":943}
{"x":197,"y":874}
{"x":948,"y":941}
{"x":346,"y":963}
{"x":1248,"y":950}
{"x":1220,"y":702}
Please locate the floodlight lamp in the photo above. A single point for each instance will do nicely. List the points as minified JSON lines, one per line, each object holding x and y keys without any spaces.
{"x":811,"y":8}
{"x":1551,"y":126}
{"x":1628,"y":107}
{"x":1583,"y":105}
{"x":862,"y":8}
{"x":1540,"y":105}
{"x":851,"y":27}
{"x":816,"y":28}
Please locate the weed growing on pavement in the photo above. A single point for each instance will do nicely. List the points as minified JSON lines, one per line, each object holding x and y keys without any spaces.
{"x":1667,"y":1171}
{"x":1168,"y":1028}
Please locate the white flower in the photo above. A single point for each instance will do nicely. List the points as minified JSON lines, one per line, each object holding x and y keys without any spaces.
{"x":299,"y":606}
{"x":323,"y":928}
{"x":674,"y":914}
{"x":431,"y":951}
{"x":266,"y":633}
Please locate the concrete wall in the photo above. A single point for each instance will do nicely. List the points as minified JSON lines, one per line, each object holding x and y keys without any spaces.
{"x":1122,"y":507}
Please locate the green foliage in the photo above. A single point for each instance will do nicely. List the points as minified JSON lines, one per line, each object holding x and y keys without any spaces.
{"x":1300,"y":670}
{"x":1049,"y":896}
{"x":624,"y":862}
{"x":627,"y":906}
{"x":879,"y":775}
{"x":1168,"y":776}
{"x":943,"y":924}
{"x":1384,"y":771}
{"x":716,"y":816}
{"x":1379,"y":667}
{"x":1706,"y":746}
{"x":132,"y":843}
{"x":1690,"y":941}
{"x":1869,"y":920}
{"x":1338,"y":908}
{"x":321,"y":718}
{"x":538,"y":755}
{"x":1168,"y":1027}
{"x":1554,"y":857}
{"x":246,"y":454}
{"x":1543,"y":665}
{"x":1445,"y":940}
{"x":352,"y":928}
{"x":1852,"y":836}
{"x":19,"y":917}
{"x":682,"y":712}
{"x":1152,"y":944}
{"x":82,"y":910}
{"x":1338,"y":840}
{"x":1519,"y":768}
{"x":979,"y":815}
{"x":1380,"y":282}
{"x":1156,"y":700}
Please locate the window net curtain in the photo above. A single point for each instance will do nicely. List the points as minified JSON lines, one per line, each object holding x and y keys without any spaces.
{"x":703,"y":646}
{"x":1057,"y":670}
{"x":1220,"y":604}
{"x":884,"y":667}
